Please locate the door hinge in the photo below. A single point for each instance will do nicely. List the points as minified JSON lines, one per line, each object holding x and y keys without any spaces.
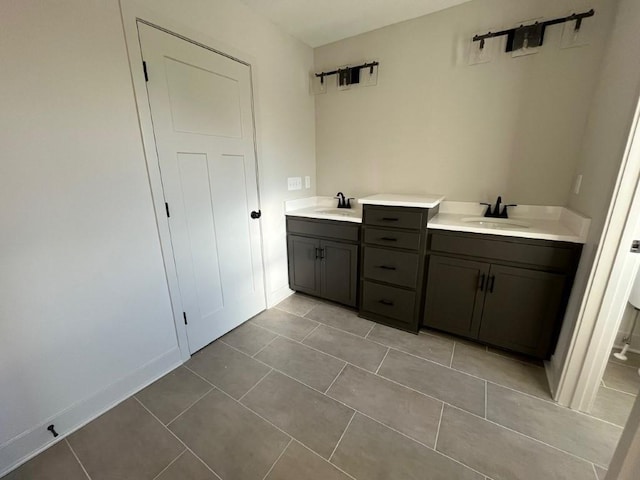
{"x":166,"y":207}
{"x":635,"y":246}
{"x":144,"y":68}
{"x":184,"y":315}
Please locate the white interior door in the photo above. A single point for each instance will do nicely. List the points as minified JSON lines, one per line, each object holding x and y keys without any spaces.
{"x":202,"y":117}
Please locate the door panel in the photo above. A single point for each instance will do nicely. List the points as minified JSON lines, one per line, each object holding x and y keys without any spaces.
{"x":202,"y":116}
{"x":202,"y":101}
{"x":521,"y":309}
{"x":455,"y":295}
{"x":304,"y":269}
{"x":339,"y":272}
{"x":198,"y":265}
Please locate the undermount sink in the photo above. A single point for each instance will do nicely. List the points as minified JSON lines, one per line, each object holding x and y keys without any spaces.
{"x":338,"y":211}
{"x":499,"y":223}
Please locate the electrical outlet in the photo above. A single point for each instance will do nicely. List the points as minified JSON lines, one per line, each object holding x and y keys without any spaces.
{"x":577,"y":184}
{"x":294,"y":183}
{"x":307,"y":182}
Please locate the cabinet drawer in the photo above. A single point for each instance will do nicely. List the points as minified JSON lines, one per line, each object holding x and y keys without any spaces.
{"x":542,"y":255}
{"x":399,"y":268}
{"x":395,"y":239}
{"x":388,"y":301}
{"x":393,"y":217}
{"x":333,"y":229}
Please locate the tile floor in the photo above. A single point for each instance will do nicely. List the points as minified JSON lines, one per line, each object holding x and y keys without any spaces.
{"x":619,"y":389}
{"x":309,"y":390}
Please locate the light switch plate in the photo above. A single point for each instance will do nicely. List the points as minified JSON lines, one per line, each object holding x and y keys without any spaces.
{"x":307,"y":182}
{"x":294,"y":183}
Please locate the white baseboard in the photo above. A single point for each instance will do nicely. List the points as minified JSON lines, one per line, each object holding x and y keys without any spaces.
{"x":20,"y":449}
{"x":278,"y":295}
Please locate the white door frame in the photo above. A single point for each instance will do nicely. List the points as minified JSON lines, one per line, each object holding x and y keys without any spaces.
{"x":132,"y":12}
{"x":608,"y":288}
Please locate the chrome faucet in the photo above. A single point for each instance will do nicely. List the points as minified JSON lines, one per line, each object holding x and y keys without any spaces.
{"x":496,"y":213}
{"x":342,"y":201}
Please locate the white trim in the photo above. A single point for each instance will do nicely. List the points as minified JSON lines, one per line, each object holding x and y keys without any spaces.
{"x":275,"y":297}
{"x":131,"y":11}
{"x":27,"y":445}
{"x":609,"y":286}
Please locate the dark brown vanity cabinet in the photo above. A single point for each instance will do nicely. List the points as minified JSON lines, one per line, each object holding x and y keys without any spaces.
{"x":503,"y":291}
{"x":323,"y":258}
{"x":393,"y":252}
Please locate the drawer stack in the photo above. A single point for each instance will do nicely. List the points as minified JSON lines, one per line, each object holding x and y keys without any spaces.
{"x":393,"y":264}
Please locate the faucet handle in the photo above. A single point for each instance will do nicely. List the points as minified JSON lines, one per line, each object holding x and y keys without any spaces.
{"x":349,"y":201}
{"x":488,"y":211}
{"x":504,"y":210}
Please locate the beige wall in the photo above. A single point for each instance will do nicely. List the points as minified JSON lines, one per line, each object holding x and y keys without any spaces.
{"x":85,"y":316}
{"x":434,"y":124}
{"x":600,"y":157}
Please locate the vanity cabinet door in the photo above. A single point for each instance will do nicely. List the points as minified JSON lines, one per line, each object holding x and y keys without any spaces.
{"x":339,"y":272}
{"x":455,"y":295}
{"x":304,"y":267}
{"x":521,"y":309}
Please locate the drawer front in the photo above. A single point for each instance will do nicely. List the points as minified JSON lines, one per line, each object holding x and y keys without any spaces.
{"x":324,"y":228}
{"x":492,"y":249}
{"x":388,"y":301}
{"x":398,"y":268}
{"x":393,"y":217}
{"x":395,"y":239}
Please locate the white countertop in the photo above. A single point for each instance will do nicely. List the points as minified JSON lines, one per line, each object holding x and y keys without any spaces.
{"x":396,"y":200}
{"x":525,"y":221}
{"x":324,"y":208}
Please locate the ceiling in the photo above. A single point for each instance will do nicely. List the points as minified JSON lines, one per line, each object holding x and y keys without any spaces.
{"x":318,"y":22}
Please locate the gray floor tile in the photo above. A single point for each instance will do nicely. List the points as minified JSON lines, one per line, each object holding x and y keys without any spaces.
{"x":284,"y":323}
{"x":622,"y":377}
{"x":299,"y":463}
{"x":521,"y":376}
{"x":249,"y":338}
{"x":423,"y":345}
{"x":633,"y":359}
{"x":503,"y":454}
{"x":601,"y":473}
{"x":236,"y":443}
{"x":171,"y":395}
{"x":187,"y":467}
{"x":340,"y":317}
{"x":227,"y":369}
{"x":310,"y":417}
{"x":435,"y":380}
{"x":560,"y":427}
{"x":301,"y":362}
{"x":350,"y":348}
{"x":125,"y":442}
{"x":613,"y":406}
{"x":55,"y":463}
{"x":371,"y":451}
{"x":398,"y":407}
{"x":298,"y":304}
